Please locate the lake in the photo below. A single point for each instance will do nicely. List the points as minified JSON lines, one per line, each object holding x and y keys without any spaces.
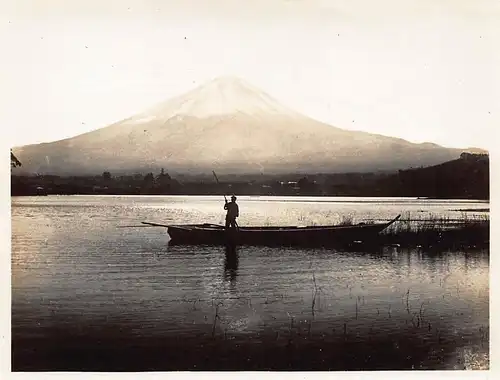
{"x":92,"y":292}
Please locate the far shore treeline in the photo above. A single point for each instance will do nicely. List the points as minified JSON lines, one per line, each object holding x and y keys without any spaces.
{"x":464,"y":178}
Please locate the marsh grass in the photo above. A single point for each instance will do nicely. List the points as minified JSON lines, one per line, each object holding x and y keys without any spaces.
{"x":325,"y":218}
{"x":414,"y":230}
{"x":216,"y":318}
{"x":438,"y":231}
{"x":347,"y":220}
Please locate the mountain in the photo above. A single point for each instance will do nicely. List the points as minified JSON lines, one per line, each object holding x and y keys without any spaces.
{"x":232,"y":127}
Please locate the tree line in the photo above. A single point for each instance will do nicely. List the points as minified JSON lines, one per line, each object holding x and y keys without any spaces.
{"x":462,"y":178}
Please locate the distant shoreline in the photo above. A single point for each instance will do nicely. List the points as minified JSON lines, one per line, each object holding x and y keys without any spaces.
{"x":463,"y":178}
{"x":273,"y":195}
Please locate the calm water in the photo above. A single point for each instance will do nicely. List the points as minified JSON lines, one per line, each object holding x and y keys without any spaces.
{"x":74,"y":262}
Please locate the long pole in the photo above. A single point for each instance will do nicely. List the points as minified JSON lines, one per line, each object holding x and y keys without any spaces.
{"x":217,"y":179}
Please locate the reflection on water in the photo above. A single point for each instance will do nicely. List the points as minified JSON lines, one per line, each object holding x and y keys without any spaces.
{"x":72,"y":269}
{"x":231,"y":265}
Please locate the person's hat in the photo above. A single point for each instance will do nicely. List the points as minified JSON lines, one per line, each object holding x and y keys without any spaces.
{"x":233,"y":197}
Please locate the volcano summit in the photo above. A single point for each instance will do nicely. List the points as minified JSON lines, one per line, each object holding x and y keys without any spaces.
{"x":229,"y":126}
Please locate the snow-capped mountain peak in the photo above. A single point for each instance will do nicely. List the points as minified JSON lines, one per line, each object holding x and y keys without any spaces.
{"x":221,"y":96}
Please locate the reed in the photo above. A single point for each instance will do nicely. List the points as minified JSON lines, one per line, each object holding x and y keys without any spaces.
{"x":421,"y":311}
{"x":346,"y":220}
{"x":438,"y":231}
{"x":315,"y":292}
{"x":407,"y":301}
{"x":216,"y":318}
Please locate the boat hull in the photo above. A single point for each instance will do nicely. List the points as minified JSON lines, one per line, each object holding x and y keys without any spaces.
{"x":275,"y":236}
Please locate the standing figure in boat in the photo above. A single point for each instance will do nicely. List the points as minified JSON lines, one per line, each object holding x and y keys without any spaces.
{"x":233,"y":212}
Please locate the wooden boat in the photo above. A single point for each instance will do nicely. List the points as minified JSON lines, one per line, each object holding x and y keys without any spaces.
{"x":214,"y":234}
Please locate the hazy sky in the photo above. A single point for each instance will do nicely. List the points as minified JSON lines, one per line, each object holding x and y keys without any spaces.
{"x":423,"y":70}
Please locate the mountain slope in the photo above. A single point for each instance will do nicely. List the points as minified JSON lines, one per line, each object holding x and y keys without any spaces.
{"x":230,"y":126}
{"x":466,"y":178}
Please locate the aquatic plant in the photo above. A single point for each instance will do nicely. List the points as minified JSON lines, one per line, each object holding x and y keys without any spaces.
{"x":216,"y":317}
{"x":347,"y":220}
{"x":437,"y":231}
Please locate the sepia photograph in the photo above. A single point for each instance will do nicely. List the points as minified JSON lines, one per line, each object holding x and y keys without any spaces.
{"x":230,"y":185}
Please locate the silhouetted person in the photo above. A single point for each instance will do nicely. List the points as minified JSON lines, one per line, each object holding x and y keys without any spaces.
{"x":233,"y":212}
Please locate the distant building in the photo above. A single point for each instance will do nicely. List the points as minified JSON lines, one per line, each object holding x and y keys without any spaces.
{"x":292,"y":184}
{"x":40,"y":191}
